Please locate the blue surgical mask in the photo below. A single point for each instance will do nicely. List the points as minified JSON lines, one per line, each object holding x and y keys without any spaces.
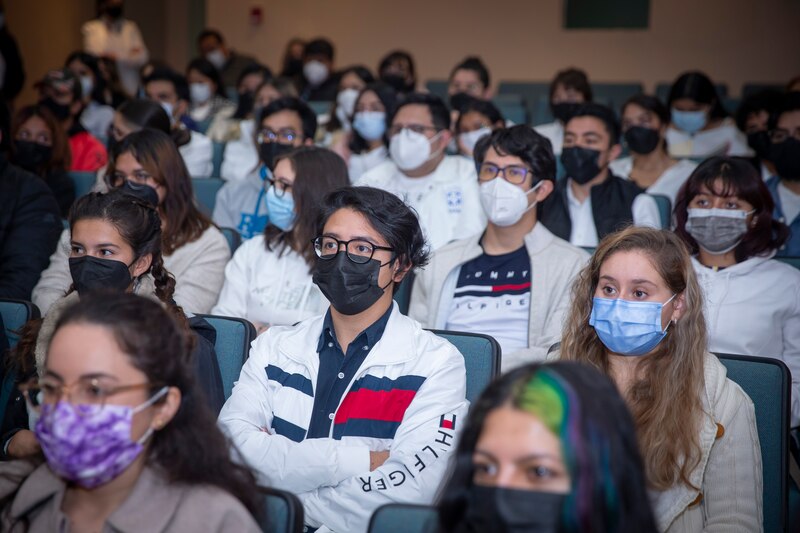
{"x":689,"y":121}
{"x":280,"y":209}
{"x":370,"y":124}
{"x":628,"y":328}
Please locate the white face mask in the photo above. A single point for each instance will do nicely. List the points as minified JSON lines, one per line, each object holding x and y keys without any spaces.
{"x":410,"y":150}
{"x":200,"y":93}
{"x":315,"y":72}
{"x":471,"y":138}
{"x":504,"y":203}
{"x":87,"y":86}
{"x":346,"y":105}
{"x":217,"y":58}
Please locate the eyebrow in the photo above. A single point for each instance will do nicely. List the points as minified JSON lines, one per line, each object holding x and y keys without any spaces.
{"x":638,"y":281}
{"x":520,"y":459}
{"x":354,"y":238}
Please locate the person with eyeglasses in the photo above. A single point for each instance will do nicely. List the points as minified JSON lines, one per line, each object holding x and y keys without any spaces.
{"x":513,"y":280}
{"x":442,"y":189}
{"x":268,"y":281}
{"x":784,"y":153}
{"x":284,"y":124}
{"x":358,"y":407}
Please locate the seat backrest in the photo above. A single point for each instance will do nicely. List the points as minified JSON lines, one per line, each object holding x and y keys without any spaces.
{"x":438,"y":87}
{"x":233,"y":238}
{"x":481,"y":358}
{"x":664,"y":209}
{"x":614,"y":95}
{"x":15,"y":313}
{"x":403,"y":294}
{"x":217,"y":155}
{"x":320,"y":107}
{"x":766,"y":381}
{"x":749,"y":89}
{"x":792,"y":261}
{"x":83,"y":182}
{"x":205,"y":192}
{"x":404,"y":518}
{"x":234,"y":336}
{"x":283,"y":512}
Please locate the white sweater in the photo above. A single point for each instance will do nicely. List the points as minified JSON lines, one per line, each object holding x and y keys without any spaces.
{"x":668,"y":184}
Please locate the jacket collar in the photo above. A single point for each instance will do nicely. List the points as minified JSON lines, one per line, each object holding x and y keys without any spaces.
{"x":536,"y":241}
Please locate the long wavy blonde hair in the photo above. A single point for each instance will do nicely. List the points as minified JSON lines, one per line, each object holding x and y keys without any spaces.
{"x":665,"y":401}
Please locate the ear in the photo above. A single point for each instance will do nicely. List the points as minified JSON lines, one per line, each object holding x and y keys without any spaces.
{"x":166,"y":409}
{"x":678,"y":307}
{"x":753,"y":221}
{"x":181,"y":109}
{"x":488,"y":93}
{"x":308,"y":142}
{"x":615,"y":152}
{"x":544,"y":190}
{"x":400,"y":272}
{"x":444,"y":139}
{"x":142,"y":265}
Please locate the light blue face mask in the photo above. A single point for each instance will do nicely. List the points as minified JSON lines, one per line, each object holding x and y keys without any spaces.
{"x":280,"y":209}
{"x":370,"y":124}
{"x":628,"y":328}
{"x":689,"y":121}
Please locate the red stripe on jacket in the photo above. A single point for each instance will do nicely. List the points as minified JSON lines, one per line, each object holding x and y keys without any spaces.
{"x":387,"y":406}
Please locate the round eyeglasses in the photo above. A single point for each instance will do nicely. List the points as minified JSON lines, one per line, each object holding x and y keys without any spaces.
{"x":358,"y":250}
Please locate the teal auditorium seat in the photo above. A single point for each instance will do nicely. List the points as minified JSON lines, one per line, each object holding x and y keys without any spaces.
{"x":283,"y":512}
{"x":439,"y":88}
{"x":205,"y":192}
{"x":481,"y":357}
{"x":404,"y":518}
{"x":218,"y":154}
{"x":749,"y":89}
{"x":15,"y":313}
{"x":766,"y":381}
{"x":511,"y":107}
{"x":234,"y":336}
{"x":792,"y":261}
{"x":614,"y":95}
{"x":532,"y":95}
{"x":403,"y":293}
{"x":83,"y":181}
{"x":664,"y":209}
{"x":320,"y":108}
{"x":233,"y":238}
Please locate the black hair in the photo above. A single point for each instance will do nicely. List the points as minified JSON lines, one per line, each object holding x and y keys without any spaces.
{"x":5,"y":127}
{"x":388,"y":97}
{"x":698,"y":87}
{"x":290,"y":103}
{"x":520,"y":141}
{"x":388,"y":215}
{"x":474,"y":64}
{"x":788,"y":102}
{"x":254,"y":68}
{"x":767,"y":100}
{"x":572,"y":78}
{"x":209,"y":32}
{"x":395,"y":56}
{"x":364,"y":75}
{"x":319,"y":47}
{"x":438,"y":109}
{"x":145,"y":114}
{"x":99,"y":86}
{"x":477,"y":105}
{"x":178,"y":81}
{"x":603,"y":114}
{"x":650,"y":103}
{"x":207,"y":69}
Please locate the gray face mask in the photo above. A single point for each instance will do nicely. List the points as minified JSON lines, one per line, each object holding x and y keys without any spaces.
{"x":717,"y":231}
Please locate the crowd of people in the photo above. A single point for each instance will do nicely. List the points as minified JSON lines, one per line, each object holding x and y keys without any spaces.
{"x":611,"y":253}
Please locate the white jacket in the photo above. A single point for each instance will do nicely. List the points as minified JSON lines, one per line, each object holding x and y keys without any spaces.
{"x":241,"y":155}
{"x":753,"y":308}
{"x":198,"y":268}
{"x":554,"y":265}
{"x":554,"y":131}
{"x":668,"y":184}
{"x":410,"y":375}
{"x":198,"y":155}
{"x":242,"y":205}
{"x":364,"y":162}
{"x":267,"y":287}
{"x":448,"y":205}
{"x":725,"y":139}
{"x":121,"y":39}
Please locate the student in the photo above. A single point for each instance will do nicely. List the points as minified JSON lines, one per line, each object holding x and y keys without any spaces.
{"x":284,"y":124}
{"x":470,"y":77}
{"x":476,"y":119}
{"x":230,"y":64}
{"x":116,"y":418}
{"x":40,"y":146}
{"x":637,"y":315}
{"x":592,"y":202}
{"x":268,"y":281}
{"x":752,"y":119}
{"x":241,"y":155}
{"x":318,"y":83}
{"x":700,"y":126}
{"x":293,"y":58}
{"x":363,"y":393}
{"x":207,"y":95}
{"x":644,"y":124}
{"x":397,"y":70}
{"x":442,"y":189}
{"x":367,"y":147}
{"x":171,"y":90}
{"x":512,"y":281}
{"x":784,"y":153}
{"x":724,"y":214}
{"x":195,"y":251}
{"x":568,"y":90}
{"x":251,"y":78}
{"x":548,"y":448}
{"x":352,"y":81}
{"x":117,"y":39}
{"x":61,"y":92}
{"x":97,"y":114}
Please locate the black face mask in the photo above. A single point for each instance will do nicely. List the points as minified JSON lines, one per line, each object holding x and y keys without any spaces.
{"x":512,"y":511}
{"x":351,"y":288}
{"x":581,"y":164}
{"x":786,"y":158}
{"x":60,"y":111}
{"x":269,"y":153}
{"x":564,"y":111}
{"x":142,"y":192}
{"x":642,"y":140}
{"x":293,"y":67}
{"x":760,"y":143}
{"x":459,"y":100}
{"x":245,"y":105}
{"x":397,"y":82}
{"x":114,"y":12}
{"x":92,"y":274}
{"x":31,"y":155}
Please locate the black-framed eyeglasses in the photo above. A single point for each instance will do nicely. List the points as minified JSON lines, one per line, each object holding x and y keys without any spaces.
{"x":358,"y":250}
{"x":85,"y":391}
{"x":284,"y":136}
{"x":515,"y":174}
{"x":280,"y":186}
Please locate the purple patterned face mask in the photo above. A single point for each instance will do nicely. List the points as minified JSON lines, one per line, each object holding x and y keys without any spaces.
{"x":90,"y":444}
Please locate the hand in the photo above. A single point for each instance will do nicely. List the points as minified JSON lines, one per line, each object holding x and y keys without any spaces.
{"x":376,"y":459}
{"x":23,"y":444}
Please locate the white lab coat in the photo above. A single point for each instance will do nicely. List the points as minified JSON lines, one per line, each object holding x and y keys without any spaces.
{"x":122,"y":39}
{"x":554,"y":131}
{"x":725,"y":139}
{"x":241,"y":155}
{"x":198,"y":155}
{"x":361,"y":163}
{"x":668,"y":184}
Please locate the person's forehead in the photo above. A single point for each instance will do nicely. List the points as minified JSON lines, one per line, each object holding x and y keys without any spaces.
{"x":347,"y":223}
{"x":789,"y":119}
{"x":493,"y":157}
{"x":416,"y":113}
{"x":285,"y":118}
{"x":35,"y":124}
{"x":159,"y":86}
{"x":585,"y":125}
{"x":78,"y":349}
{"x":464,"y":75}
{"x":625,"y":266}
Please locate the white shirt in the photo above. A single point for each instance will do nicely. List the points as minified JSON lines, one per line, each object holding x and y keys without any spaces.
{"x":241,"y":155}
{"x":447,"y":201}
{"x":668,"y":184}
{"x":96,"y":118}
{"x":584,"y":232}
{"x":725,"y":139}
{"x":553,"y":131}
{"x":361,"y":163}
{"x":790,"y":203}
{"x":122,"y":39}
{"x":198,"y":154}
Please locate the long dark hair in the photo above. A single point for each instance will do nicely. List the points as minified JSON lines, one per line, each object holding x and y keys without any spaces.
{"x":653,"y":105}
{"x":388,"y":97}
{"x":145,"y":114}
{"x":190,"y":449}
{"x":159,"y":156}
{"x":364,"y":75}
{"x":598,"y":441}
{"x":698,"y":87}
{"x":738,"y":177}
{"x":317,"y":171}
{"x":207,"y":69}
{"x":62,"y":156}
{"x":91,"y":62}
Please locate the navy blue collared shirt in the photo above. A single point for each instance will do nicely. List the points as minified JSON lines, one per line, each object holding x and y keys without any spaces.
{"x":337,"y":370}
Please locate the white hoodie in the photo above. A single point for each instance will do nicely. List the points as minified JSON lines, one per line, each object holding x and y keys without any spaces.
{"x":753,"y":308}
